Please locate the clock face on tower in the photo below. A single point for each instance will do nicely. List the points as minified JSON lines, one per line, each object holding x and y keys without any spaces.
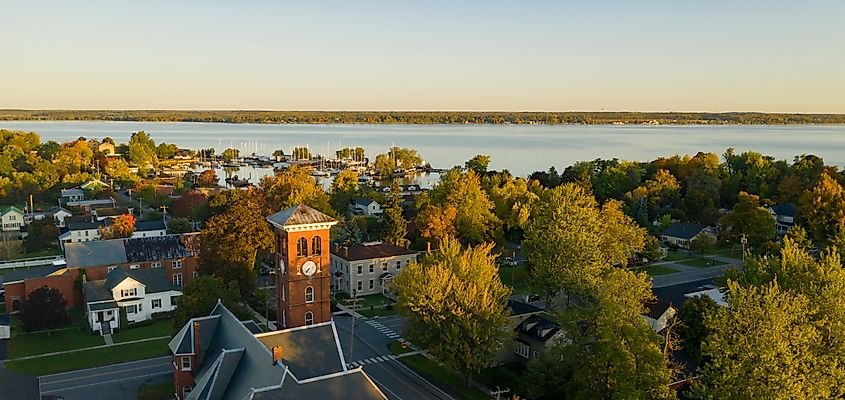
{"x":309,"y":268}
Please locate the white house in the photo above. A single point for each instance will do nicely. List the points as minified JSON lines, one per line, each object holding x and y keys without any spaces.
{"x":58,"y":213}
{"x":75,"y":194}
{"x":784,"y":216}
{"x":365,"y":207}
{"x":5,"y":326}
{"x":141,"y":293}
{"x":13,"y":219}
{"x":659,"y":315}
{"x":86,"y":231}
{"x":368,"y":268}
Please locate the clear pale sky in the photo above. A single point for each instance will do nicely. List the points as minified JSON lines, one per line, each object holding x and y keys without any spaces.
{"x":774,"y":56}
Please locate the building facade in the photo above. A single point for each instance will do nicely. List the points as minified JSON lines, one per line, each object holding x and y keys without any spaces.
{"x":303,"y":277}
{"x":368,"y":268}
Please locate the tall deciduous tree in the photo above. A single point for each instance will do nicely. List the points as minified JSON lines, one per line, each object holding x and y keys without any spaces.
{"x":292,"y":187}
{"x":823,"y":208}
{"x":478,"y":164}
{"x":570,"y":241}
{"x":748,"y":219}
{"x":142,"y":149}
{"x":201,"y":295}
{"x":344,"y":189}
{"x":457,"y":305}
{"x":475,"y":221}
{"x":44,"y":308}
{"x":231,"y":239}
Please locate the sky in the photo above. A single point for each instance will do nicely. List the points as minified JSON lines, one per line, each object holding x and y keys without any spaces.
{"x":769,"y":56}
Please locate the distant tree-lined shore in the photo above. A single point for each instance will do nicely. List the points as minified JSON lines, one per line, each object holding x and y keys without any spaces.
{"x":423,"y":117}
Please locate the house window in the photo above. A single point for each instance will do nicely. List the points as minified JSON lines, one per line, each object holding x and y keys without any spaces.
{"x":360,"y":269}
{"x":156,"y":303}
{"x":384,"y":266}
{"x":302,"y":247}
{"x":128,"y":292}
{"x":372,"y":283}
{"x":309,"y":318}
{"x":372,"y":268}
{"x":360,"y":286}
{"x":309,"y":294}
{"x":177,"y":264}
{"x":155,"y":264}
{"x":398,"y":264}
{"x":140,"y":307}
{"x":186,"y":391}
{"x":134,"y":266}
{"x":16,"y":303}
{"x":174,"y":300}
{"x":195,"y":274}
{"x":133,"y":309}
{"x":535,"y":354}
{"x":315,"y":246}
{"x":186,"y":363}
{"x":177,"y":279}
{"x":110,"y":268}
{"x":522,"y":349}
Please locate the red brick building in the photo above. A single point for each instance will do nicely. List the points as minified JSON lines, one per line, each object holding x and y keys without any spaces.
{"x":303,"y":275}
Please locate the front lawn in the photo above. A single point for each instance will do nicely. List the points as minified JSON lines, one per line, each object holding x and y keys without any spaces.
{"x":443,"y":376}
{"x":74,"y":336}
{"x":159,"y":391}
{"x":90,"y":358}
{"x":657,"y":270}
{"x":158,"y":328}
{"x":701,"y":263}
{"x":676,"y":256}
{"x":377,"y":312}
{"x":510,"y":376}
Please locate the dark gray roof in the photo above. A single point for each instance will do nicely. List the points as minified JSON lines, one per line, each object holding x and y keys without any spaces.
{"x":538,"y":328}
{"x":520,"y":308}
{"x":369,"y":251}
{"x":96,"y":291}
{"x":352,"y":386}
{"x":364,"y":202}
{"x":785,"y":209}
{"x":86,"y":225}
{"x":111,"y":211}
{"x":150,"y":225}
{"x":18,"y":386}
{"x":299,"y":215}
{"x":308,"y":352}
{"x":252,"y":327}
{"x":95,"y":253}
{"x":683,"y":230}
{"x":110,"y":305}
{"x":183,"y":342}
{"x":24,"y":274}
{"x":156,"y":248}
{"x":5,"y":319}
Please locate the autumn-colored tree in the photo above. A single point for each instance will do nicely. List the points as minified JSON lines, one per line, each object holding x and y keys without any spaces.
{"x":292,"y":187}
{"x":208,"y":178}
{"x":437,"y":222}
{"x":457,"y":305}
{"x":475,"y":221}
{"x":193,"y":205}
{"x":823,"y":208}
{"x":121,"y":227}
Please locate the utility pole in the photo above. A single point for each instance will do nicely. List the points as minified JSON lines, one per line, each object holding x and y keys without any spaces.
{"x":352,"y":331}
{"x":744,"y":241}
{"x":140,"y":207}
{"x":163,"y":211}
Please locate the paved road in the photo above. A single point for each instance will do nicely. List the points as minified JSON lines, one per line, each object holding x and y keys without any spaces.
{"x":120,"y":381}
{"x":372,"y":340}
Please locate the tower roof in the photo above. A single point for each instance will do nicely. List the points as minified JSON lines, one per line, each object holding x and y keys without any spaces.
{"x":300,"y":215}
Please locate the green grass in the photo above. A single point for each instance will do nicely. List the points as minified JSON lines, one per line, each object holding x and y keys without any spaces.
{"x":676,"y":256}
{"x":159,"y":391}
{"x":75,"y":336}
{"x":514,"y":277}
{"x":701,"y":263}
{"x":397,"y":349}
{"x":377,"y":312}
{"x":161,"y":327}
{"x":371,"y":300}
{"x":445,"y":377}
{"x":90,"y":358}
{"x":510,"y":375}
{"x":657,"y":270}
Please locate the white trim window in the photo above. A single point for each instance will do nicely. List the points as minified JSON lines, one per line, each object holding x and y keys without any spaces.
{"x":177,"y":264}
{"x":309,"y":318}
{"x":132,"y":309}
{"x":186,"y":363}
{"x":522,"y":349}
{"x":372,"y":283}
{"x":360,"y":270}
{"x":156,"y":303}
{"x":360,"y":286}
{"x":309,"y":294}
{"x":177,"y":279}
{"x":155,"y":264}
{"x":134,"y":266}
{"x":128,"y":292}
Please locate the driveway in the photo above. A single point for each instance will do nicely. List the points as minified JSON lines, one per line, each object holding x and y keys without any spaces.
{"x":117,"y":381}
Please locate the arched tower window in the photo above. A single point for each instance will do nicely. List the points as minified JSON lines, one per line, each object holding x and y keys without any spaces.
{"x":309,"y":294}
{"x":302,"y":247}
{"x":316,"y":247}
{"x":309,"y":318}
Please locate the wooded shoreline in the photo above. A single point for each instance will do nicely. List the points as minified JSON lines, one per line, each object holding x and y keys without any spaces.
{"x":424,"y":117}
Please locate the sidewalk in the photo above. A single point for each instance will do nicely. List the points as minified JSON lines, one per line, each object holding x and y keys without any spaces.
{"x":56,"y":353}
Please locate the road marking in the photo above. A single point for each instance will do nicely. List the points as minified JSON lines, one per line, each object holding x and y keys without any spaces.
{"x":106,"y":382}
{"x":50,"y":382}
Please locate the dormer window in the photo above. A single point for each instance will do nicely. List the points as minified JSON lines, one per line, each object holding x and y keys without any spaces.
{"x":129,"y":292}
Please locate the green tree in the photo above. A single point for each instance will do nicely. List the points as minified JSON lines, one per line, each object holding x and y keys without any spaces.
{"x":395,"y":224}
{"x":230,"y":154}
{"x":344,"y":189}
{"x":749,"y":219}
{"x":166,"y":151}
{"x":478,"y":164}
{"x":142,"y":150}
{"x":201,"y":295}
{"x":457,"y":305}
{"x":702,"y":243}
{"x":233,"y":236}
{"x":570,"y":241}
{"x":44,"y":308}
{"x":475,"y":221}
{"x":41,"y":234}
{"x":693,"y":314}
{"x":301,"y":153}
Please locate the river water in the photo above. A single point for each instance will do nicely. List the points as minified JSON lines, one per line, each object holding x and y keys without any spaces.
{"x":521,"y":149}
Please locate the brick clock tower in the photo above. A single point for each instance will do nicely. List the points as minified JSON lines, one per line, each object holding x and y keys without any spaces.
{"x":303,"y":275}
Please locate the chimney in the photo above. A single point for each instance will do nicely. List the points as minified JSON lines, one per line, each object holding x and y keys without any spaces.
{"x":277,"y":354}
{"x":197,"y":342}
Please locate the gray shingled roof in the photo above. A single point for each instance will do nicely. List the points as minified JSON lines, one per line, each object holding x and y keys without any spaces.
{"x":96,"y":291}
{"x":370,"y":251}
{"x":110,"y":305}
{"x":683,"y":230}
{"x":520,"y":308}
{"x":538,"y":328}
{"x":18,"y":386}
{"x":155,"y":280}
{"x":24,"y":274}
{"x":785,"y":209}
{"x":299,"y":215}
{"x":95,"y":253}
{"x":308,"y":352}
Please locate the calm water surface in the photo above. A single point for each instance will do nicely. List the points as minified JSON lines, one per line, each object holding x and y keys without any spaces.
{"x":519,"y":148}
